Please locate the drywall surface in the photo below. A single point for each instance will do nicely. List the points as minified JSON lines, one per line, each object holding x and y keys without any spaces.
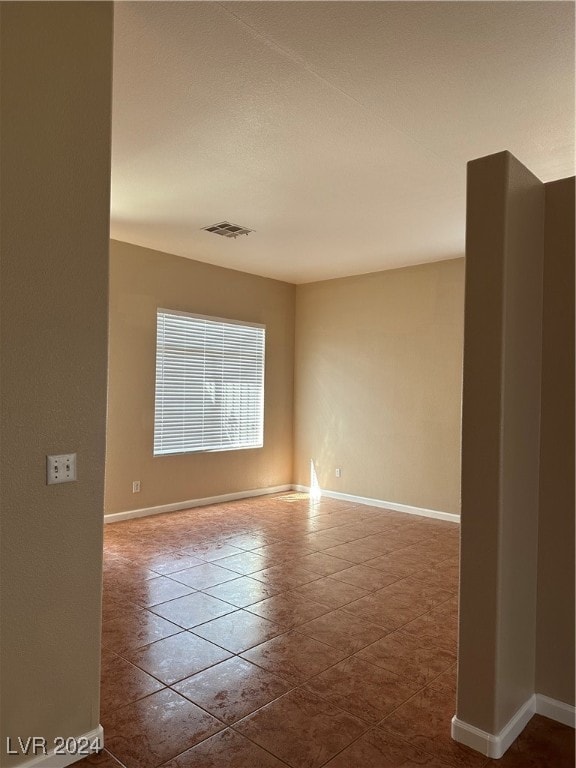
{"x":142,"y":280}
{"x":500,"y":440}
{"x":555,"y":638}
{"x":378,"y":384}
{"x":56,"y":78}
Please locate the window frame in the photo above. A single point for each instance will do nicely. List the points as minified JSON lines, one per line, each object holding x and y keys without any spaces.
{"x":220,"y":448}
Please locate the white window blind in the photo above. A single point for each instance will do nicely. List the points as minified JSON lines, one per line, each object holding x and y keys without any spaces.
{"x":209,"y":384}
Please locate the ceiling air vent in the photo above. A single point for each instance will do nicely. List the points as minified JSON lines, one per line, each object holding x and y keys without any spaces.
{"x":228,"y":230}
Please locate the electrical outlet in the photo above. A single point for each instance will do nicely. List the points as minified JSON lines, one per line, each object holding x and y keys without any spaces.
{"x":61,"y":469}
{"x":136,"y":486}
{"x":338,"y":472}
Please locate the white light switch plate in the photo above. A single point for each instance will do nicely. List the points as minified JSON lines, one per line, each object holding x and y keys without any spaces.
{"x":61,"y":469}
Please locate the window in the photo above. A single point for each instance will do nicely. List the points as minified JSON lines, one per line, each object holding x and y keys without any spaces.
{"x":209,"y":384}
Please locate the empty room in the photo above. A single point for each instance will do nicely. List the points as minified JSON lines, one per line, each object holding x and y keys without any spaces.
{"x":287,"y":385}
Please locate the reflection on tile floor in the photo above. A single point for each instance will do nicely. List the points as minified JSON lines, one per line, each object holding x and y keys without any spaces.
{"x":278,"y":631}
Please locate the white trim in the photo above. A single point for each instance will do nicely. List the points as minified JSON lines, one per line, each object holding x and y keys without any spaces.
{"x":227,"y":320}
{"x":495,"y":746}
{"x":117,"y":516}
{"x":556,"y":710}
{"x":52,"y":760}
{"x":422,"y":511}
{"x":489,"y":744}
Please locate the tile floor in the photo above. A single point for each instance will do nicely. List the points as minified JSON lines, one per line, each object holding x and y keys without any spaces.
{"x":278,"y":632}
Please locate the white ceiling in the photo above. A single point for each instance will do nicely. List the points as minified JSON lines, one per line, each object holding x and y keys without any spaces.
{"x":338,"y":131}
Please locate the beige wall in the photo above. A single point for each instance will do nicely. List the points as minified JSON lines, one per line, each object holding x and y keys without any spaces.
{"x":500,"y":441}
{"x":56,"y":72}
{"x":378,"y":384}
{"x":141,"y":280}
{"x":555,"y":637}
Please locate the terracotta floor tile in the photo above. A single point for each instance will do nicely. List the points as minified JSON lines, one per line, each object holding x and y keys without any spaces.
{"x":288,"y":609}
{"x":301,"y":729}
{"x":123,"y":683}
{"x":293,"y":656}
{"x":157,"y":728}
{"x":448,"y":679}
{"x":361,"y":530}
{"x":140,"y":551}
{"x":111,"y":558}
{"x":213,"y":551}
{"x":446,"y":578}
{"x":429,"y":551}
{"x":152,"y":591}
{"x":244,"y":563}
{"x":417,"y":595}
{"x":323,"y":564}
{"x":341,"y":630}
{"x":441,"y":632}
{"x":389,"y":614}
{"x":239,"y":631}
{"x":408,"y":656}
{"x":233,"y":689}
{"x":331,"y":592}
{"x":377,"y":749}
{"x":114,"y":586}
{"x":249,"y":541}
{"x":296,"y":533}
{"x":115,"y":608}
{"x":326,"y":523}
{"x":440,"y":527}
{"x":365,"y":577}
{"x":542,"y":743}
{"x":172,"y":562}
{"x":204,"y":576}
{"x":226,"y":749}
{"x":191,"y":610}
{"x":176,"y":657}
{"x":132,"y":630}
{"x":442,"y":546}
{"x":243,"y":591}
{"x":127,"y":572}
{"x":355,"y":551}
{"x":283,"y":551}
{"x":405,"y":536}
{"x":284,"y":578}
{"x":403,"y":563}
{"x":128,"y":550}
{"x":362,"y":689}
{"x":327,"y":538}
{"x":425,"y":722}
{"x":101,"y":759}
{"x":377,"y":525}
{"x":377,"y":542}
{"x":449,"y":608}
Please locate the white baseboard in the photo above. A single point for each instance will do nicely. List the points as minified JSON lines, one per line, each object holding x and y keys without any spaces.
{"x":490,"y":744}
{"x":495,"y":745}
{"x":115,"y":517}
{"x":422,"y":511}
{"x":556,"y":710}
{"x":51,"y":760}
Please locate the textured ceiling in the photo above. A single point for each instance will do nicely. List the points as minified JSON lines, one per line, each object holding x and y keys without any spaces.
{"x":338,"y":131}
